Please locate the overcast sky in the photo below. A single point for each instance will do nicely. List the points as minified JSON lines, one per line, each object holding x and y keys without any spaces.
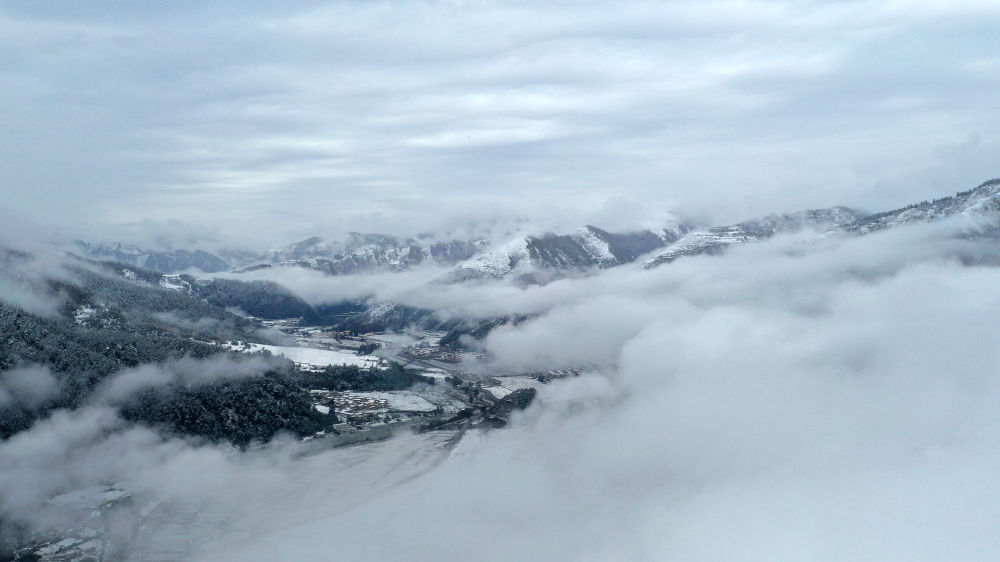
{"x":401,"y":117}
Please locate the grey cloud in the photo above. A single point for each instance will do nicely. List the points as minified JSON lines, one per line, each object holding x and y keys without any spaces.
{"x":187,"y":372}
{"x":800,"y":274}
{"x":27,"y":296}
{"x":201,"y":325}
{"x":802,"y":255}
{"x":340,"y":117}
{"x":29,"y":260}
{"x":28,"y":386}
{"x":91,"y":446}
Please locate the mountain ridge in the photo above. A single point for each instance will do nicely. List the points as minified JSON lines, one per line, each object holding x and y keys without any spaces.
{"x":539,"y":257}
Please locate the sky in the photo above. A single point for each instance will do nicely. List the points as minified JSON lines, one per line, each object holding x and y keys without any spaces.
{"x":267,"y":123}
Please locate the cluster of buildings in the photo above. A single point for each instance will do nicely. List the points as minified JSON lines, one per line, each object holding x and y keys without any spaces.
{"x":431,"y":352}
{"x":350,"y":405}
{"x":553,"y":374}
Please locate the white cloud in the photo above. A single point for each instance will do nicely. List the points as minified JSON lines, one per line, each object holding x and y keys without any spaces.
{"x":768,"y":404}
{"x":186,"y":372}
{"x":786,"y":400}
{"x":28,"y":386}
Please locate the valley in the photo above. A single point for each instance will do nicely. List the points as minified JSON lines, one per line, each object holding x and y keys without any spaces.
{"x":458,"y":389}
{"x":401,"y":432}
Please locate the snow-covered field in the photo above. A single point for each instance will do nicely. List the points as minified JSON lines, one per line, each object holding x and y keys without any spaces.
{"x":510,"y":384}
{"x":174,"y":283}
{"x":315,"y":488}
{"x":498,"y":392}
{"x":310,"y":357}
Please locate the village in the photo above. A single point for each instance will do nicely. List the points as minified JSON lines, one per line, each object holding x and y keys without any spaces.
{"x":462,"y":388}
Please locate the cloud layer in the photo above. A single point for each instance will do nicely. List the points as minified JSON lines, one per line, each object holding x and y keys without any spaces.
{"x":788,"y":400}
{"x":769,"y":404}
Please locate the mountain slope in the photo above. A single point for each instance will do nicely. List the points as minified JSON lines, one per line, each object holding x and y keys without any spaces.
{"x":112,"y":317}
{"x":364,"y":252}
{"x":172,"y":261}
{"x":527,"y":255}
{"x":538,"y":258}
{"x":981,"y":200}
{"x":715,"y":240}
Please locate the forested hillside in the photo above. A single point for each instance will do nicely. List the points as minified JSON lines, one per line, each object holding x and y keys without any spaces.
{"x":79,"y":358}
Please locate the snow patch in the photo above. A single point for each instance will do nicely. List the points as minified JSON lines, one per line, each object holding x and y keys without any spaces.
{"x":500,"y":262}
{"x":174,"y":283}
{"x":596,"y":247}
{"x":498,"y":392}
{"x":309,"y":358}
{"x":83,"y":314}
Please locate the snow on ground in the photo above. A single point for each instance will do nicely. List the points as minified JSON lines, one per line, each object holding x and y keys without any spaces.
{"x":322,"y":409}
{"x":498,"y":392}
{"x":310,"y":357}
{"x":400,"y":401}
{"x":516,"y":383}
{"x":174,"y":283}
{"x":510,"y":384}
{"x":83,"y":313}
{"x":395,"y":340}
{"x":302,"y":492}
{"x":408,"y":338}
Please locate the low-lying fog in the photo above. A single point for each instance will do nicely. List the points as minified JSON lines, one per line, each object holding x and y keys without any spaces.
{"x":789,"y":400}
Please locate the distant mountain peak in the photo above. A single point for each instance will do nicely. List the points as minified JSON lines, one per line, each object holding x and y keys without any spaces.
{"x":164,"y":261}
{"x":540,"y":256}
{"x":981,"y":200}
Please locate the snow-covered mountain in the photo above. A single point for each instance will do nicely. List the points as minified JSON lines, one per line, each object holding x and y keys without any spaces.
{"x":525,"y":254}
{"x":534,"y":258}
{"x":538,"y":257}
{"x":982,"y":200}
{"x":165,"y":261}
{"x":364,"y":252}
{"x":714,"y":240}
